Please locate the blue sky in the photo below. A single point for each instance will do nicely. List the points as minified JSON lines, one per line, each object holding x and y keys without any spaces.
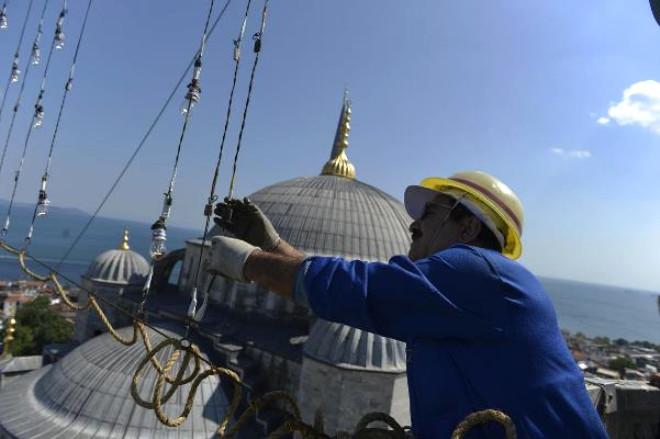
{"x":532,"y":92}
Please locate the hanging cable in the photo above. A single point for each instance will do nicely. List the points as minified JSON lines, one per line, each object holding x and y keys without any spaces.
{"x":38,"y":115}
{"x":41,"y":206}
{"x":17,"y":105}
{"x":15,"y":72}
{"x":208,"y":208}
{"x":257,"y":37}
{"x":4,"y":21}
{"x":159,"y":227}
{"x":139,"y":146}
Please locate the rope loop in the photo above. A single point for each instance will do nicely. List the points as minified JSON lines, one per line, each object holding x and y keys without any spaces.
{"x":482,"y":417}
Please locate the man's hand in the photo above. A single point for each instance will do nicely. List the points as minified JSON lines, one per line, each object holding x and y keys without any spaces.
{"x":246,"y":222}
{"x":228,"y":257}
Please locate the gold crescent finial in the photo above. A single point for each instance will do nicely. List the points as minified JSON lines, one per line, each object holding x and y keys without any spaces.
{"x":338,"y":164}
{"x":123,"y":245}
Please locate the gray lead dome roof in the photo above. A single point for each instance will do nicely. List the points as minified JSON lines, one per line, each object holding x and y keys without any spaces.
{"x":330,"y":215}
{"x":118,"y":266}
{"x":87,"y":395}
{"x":352,"y":348}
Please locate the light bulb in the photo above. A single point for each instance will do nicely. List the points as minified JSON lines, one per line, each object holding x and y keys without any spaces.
{"x":186,"y":106}
{"x":15,"y":71}
{"x":38,"y":116}
{"x":36,"y":54}
{"x":42,"y":204}
{"x":5,"y":229}
{"x":59,"y":39}
{"x":158,"y":240}
{"x":4,"y":23}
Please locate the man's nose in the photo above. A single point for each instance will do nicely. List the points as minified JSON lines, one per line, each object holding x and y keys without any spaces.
{"x":414,"y":226}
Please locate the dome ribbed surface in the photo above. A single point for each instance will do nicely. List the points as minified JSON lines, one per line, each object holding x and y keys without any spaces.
{"x":353,"y":348}
{"x":87,"y":395}
{"x":118,"y":266}
{"x":329,"y":215}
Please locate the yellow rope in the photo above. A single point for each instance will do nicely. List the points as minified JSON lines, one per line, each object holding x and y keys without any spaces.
{"x":21,"y":260}
{"x":196,"y":376}
{"x":483,"y":417}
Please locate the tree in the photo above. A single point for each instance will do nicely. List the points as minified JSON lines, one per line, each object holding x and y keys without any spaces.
{"x":602,"y":340}
{"x":36,"y":326}
{"x":620,"y":364}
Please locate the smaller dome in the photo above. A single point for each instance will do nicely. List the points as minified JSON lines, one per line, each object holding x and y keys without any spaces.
{"x":351,"y":348}
{"x":118,"y":266}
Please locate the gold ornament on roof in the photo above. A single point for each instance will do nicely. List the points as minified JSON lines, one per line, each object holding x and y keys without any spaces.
{"x":9,"y":337}
{"x":123,"y":245}
{"x":338,"y":165}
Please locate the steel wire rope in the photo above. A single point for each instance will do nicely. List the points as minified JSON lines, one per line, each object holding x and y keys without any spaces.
{"x":257,"y":37}
{"x":14,"y":71}
{"x":140,"y":144}
{"x":16,"y":54}
{"x":159,"y":227}
{"x":68,"y":84}
{"x":37,"y":116}
{"x":208,"y":208}
{"x":257,"y":49}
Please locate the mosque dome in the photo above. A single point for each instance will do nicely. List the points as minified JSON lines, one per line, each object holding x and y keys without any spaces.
{"x":352,"y":348}
{"x":332,"y":215}
{"x":335,"y":214}
{"x":87,"y":395}
{"x":119,"y":266}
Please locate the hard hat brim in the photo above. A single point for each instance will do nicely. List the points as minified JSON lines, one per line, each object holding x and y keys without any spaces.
{"x":513,"y":248}
{"x":415,"y":199}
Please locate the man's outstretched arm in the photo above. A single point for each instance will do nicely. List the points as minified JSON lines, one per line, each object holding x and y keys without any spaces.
{"x":275,"y":271}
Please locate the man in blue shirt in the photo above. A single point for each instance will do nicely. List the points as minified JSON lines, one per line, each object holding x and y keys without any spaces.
{"x":480,"y":330}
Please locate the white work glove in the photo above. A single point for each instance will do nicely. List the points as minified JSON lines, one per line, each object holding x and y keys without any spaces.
{"x":228,"y":257}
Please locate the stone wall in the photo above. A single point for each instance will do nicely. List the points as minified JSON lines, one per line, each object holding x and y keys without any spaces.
{"x":344,"y":395}
{"x":629,"y":409}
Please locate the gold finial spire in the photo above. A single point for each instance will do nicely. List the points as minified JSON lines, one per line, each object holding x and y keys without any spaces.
{"x":123,"y":245}
{"x":9,"y":337}
{"x":338,"y":165}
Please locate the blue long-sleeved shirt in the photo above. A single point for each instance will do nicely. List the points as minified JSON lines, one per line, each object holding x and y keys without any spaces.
{"x":481,"y":333}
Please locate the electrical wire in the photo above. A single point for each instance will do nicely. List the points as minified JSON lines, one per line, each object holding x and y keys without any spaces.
{"x":140,"y":144}
{"x":257,"y":49}
{"x":37,"y":117}
{"x":14,"y":69}
{"x":208,"y":208}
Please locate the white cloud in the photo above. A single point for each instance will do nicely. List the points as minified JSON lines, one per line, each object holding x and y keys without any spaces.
{"x":640,"y":105}
{"x":571,"y":153}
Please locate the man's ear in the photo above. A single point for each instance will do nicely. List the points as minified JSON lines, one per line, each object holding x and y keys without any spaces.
{"x":470,"y":229}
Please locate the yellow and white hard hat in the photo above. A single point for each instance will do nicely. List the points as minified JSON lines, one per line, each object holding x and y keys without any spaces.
{"x":490,"y":200}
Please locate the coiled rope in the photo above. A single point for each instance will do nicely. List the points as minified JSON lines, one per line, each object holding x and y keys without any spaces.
{"x":293,"y":424}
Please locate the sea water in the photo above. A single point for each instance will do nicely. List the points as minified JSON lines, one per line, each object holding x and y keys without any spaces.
{"x":595,"y":310}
